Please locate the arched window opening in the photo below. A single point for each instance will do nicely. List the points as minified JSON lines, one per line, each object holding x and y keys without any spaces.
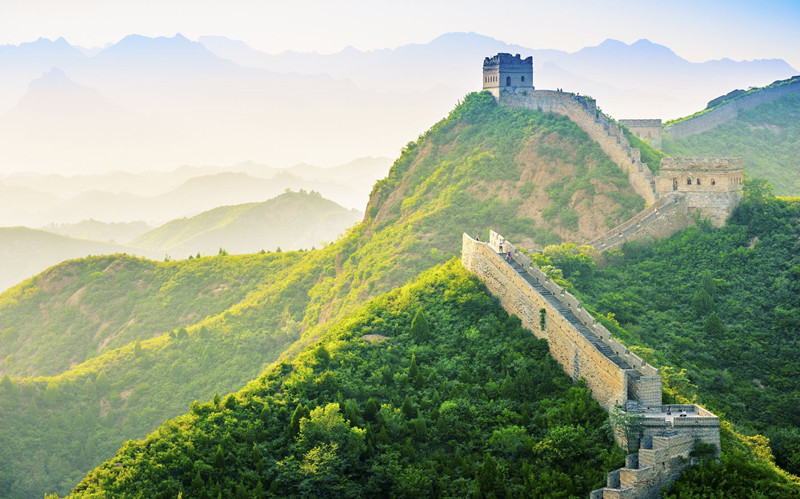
{"x":689,"y":181}
{"x":508,"y":81}
{"x":698,"y":181}
{"x":523,"y":78}
{"x":713,"y":182}
{"x":674,"y":184}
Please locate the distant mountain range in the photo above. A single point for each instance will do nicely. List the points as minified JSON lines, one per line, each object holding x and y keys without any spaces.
{"x":157,"y":197}
{"x":25,"y":252}
{"x":152,"y":103}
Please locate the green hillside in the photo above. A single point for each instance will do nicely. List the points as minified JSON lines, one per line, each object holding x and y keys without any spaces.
{"x":766,"y":137}
{"x":293,"y":220}
{"x":429,"y":390}
{"x":534,"y":176}
{"x":99,"y":304}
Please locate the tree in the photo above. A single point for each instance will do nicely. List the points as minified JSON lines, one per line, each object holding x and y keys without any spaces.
{"x":420,"y":330}
{"x":370,"y":409}
{"x":713,"y":327}
{"x":219,"y":458}
{"x":702,"y":302}
{"x":487,"y":483}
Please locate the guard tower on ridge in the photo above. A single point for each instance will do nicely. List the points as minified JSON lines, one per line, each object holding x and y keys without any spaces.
{"x":506,"y":71}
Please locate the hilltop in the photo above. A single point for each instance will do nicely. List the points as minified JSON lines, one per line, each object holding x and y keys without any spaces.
{"x":293,"y":220}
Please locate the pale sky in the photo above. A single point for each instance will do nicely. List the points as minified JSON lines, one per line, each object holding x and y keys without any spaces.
{"x":695,"y":29}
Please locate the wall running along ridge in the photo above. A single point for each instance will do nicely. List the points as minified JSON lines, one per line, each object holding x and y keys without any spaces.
{"x":619,"y":380}
{"x":728,"y":111}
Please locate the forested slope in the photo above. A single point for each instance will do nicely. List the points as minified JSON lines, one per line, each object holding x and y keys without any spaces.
{"x":429,"y":390}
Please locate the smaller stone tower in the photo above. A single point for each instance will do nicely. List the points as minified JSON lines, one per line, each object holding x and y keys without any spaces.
{"x":507,"y":72}
{"x":711,"y":185}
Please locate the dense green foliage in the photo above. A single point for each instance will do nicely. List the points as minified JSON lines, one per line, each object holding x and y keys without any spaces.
{"x":478,"y":408}
{"x":767,"y":138}
{"x":293,"y":220}
{"x":718,"y":310}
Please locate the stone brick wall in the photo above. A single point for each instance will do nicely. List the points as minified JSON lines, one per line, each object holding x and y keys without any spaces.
{"x":728,"y":112}
{"x":583,"y":111}
{"x":579,"y":357}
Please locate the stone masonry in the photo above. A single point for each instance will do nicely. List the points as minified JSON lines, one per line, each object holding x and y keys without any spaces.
{"x":618,"y":379}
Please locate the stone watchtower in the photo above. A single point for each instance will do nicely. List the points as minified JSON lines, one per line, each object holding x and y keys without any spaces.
{"x":713,"y":186}
{"x":506,"y":71}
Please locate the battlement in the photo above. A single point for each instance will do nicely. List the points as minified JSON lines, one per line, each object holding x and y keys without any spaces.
{"x":617,"y":378}
{"x":506,"y":59}
{"x":702,"y":164}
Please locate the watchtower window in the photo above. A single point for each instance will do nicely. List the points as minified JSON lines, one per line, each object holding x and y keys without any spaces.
{"x":689,"y":181}
{"x":674,"y":184}
{"x":508,"y":81}
{"x":713,"y":182}
{"x":523,"y":78}
{"x":698,"y":181}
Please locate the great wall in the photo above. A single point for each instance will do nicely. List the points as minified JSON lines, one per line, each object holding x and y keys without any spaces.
{"x":686,"y":189}
{"x":619,"y":379}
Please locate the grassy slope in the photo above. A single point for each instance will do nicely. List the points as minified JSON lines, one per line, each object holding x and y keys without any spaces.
{"x":767,"y":138}
{"x":471,"y":384}
{"x":463,"y":175}
{"x":293,"y":220}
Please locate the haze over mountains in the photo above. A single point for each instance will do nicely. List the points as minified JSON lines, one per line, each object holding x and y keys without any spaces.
{"x":156,"y":103}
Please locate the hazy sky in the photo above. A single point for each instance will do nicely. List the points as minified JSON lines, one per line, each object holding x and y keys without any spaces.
{"x":695,"y":29}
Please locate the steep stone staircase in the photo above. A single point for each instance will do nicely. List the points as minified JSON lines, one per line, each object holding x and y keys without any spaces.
{"x":570,"y":316}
